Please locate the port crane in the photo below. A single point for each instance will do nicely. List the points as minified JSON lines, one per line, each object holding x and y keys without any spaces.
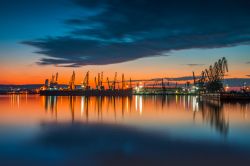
{"x":123,"y":82}
{"x":114,"y":82}
{"x":56,"y":77}
{"x":72,"y":82}
{"x":98,"y":81}
{"x":130,"y":83}
{"x":53,"y":83}
{"x":85,"y":84}
{"x":109,"y":85}
{"x":96,"y":85}
{"x":101,"y":82}
{"x":212,"y":77}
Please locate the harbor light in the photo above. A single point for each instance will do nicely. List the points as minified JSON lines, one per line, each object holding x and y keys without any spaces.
{"x":138,"y":88}
{"x":226,"y":88}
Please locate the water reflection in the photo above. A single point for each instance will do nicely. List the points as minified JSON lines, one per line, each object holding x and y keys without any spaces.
{"x":75,"y":127}
{"x":165,"y":110}
{"x":15,"y":100}
{"x":118,"y":109}
{"x":212,"y":113}
{"x":72,"y":107}
{"x":50,"y":104}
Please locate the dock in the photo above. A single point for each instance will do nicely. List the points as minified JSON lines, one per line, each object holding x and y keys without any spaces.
{"x":90,"y":92}
{"x":226,"y":96}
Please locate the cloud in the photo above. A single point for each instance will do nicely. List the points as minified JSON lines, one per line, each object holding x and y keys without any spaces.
{"x":248,"y":75}
{"x":248,"y":62}
{"x":120,"y":31}
{"x":80,"y":52}
{"x":194,"y":64}
{"x":184,"y":78}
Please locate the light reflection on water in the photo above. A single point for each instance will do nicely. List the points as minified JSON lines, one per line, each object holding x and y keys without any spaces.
{"x":171,"y":112}
{"x":39,"y":123}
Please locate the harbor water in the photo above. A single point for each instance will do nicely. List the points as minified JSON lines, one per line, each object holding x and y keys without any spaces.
{"x":130,"y":130}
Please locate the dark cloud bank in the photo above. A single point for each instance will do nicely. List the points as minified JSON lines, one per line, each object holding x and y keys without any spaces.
{"x":121,"y":30}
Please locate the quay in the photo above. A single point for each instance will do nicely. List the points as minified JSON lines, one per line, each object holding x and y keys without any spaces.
{"x":226,"y":96}
{"x":90,"y":92}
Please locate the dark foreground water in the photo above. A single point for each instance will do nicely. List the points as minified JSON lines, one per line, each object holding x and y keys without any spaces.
{"x":141,"y":130}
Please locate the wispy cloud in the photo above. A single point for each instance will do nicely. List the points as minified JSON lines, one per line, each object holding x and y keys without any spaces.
{"x":121,"y":31}
{"x":194,"y":64}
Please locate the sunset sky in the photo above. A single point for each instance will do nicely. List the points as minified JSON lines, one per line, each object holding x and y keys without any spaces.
{"x":140,"y":38}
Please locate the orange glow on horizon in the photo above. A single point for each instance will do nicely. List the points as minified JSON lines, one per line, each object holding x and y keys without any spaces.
{"x":141,"y":69}
{"x":38,"y":76}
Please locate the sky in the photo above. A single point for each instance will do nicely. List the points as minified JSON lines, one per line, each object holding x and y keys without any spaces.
{"x":141,"y":38}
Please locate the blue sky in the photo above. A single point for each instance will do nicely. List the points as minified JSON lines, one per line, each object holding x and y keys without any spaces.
{"x":124,"y":35}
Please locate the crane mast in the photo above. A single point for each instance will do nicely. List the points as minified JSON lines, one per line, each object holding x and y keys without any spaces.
{"x":114,"y":82}
{"x":85,"y":84}
{"x":98,"y":81}
{"x":101,"y":82}
{"x":130,"y":83}
{"x":109,"y":86}
{"x":56,"y":78}
{"x":72,"y":82}
{"x":194,"y":78}
{"x":96,"y":84}
{"x":123,"y":82}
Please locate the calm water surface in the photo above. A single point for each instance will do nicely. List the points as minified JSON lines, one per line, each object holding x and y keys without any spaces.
{"x":52,"y":130}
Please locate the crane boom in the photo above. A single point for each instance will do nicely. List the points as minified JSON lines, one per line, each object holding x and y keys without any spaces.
{"x":114,"y":82}
{"x":72,"y":82}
